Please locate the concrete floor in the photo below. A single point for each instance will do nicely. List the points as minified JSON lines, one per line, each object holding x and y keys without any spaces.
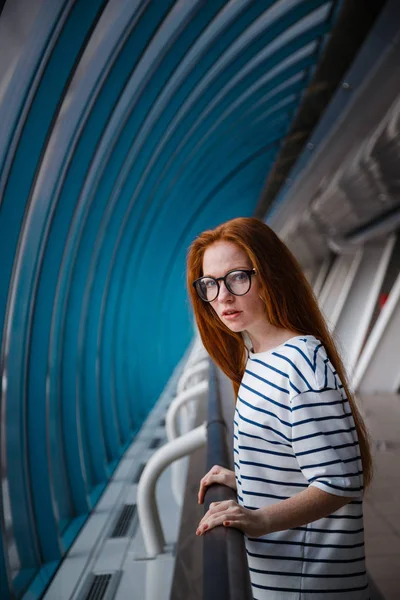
{"x":139,"y":578}
{"x":382,"y":500}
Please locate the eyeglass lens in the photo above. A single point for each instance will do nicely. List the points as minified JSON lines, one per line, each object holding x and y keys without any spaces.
{"x":237,"y":282}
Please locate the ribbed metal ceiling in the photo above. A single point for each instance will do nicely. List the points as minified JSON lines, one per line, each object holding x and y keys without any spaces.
{"x":127,"y":127}
{"x":344,"y":188}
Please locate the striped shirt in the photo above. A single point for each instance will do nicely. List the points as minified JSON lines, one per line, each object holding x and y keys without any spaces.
{"x":294,"y":428}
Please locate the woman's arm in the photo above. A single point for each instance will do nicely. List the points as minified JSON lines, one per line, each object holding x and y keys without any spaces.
{"x":306,"y":506}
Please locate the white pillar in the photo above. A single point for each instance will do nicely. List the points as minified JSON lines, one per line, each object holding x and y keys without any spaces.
{"x":321,"y":277}
{"x":311,"y":274}
{"x":378,"y":368}
{"x":337,"y":286}
{"x":355,"y":317}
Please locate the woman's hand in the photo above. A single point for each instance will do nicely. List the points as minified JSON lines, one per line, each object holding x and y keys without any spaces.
{"x":229,"y":514}
{"x":216,"y":475}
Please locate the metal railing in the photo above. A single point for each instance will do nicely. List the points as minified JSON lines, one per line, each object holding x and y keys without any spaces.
{"x":179,"y":408}
{"x":180,"y":444}
{"x":225,"y":570}
{"x":149,"y":517}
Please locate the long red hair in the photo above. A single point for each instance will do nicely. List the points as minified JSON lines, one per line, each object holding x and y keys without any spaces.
{"x":289,"y":303}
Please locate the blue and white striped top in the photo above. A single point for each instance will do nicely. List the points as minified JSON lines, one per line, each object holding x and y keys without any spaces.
{"x":294,"y":428}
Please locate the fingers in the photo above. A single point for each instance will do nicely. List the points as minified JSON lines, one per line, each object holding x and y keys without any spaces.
{"x":217,"y":513}
{"x":214,"y":475}
{"x":230,"y":514}
{"x":222,"y":521}
{"x":225,"y":518}
{"x":204,"y":484}
{"x":216,"y":507}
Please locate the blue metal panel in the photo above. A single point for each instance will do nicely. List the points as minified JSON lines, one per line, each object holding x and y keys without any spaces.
{"x":233,"y":198}
{"x":71,"y":497}
{"x":32,"y":515}
{"x":148,"y":312}
{"x":147,"y":191}
{"x":384,"y":31}
{"x":91,"y":427}
{"x":137,"y":245}
{"x":4,"y":570}
{"x":41,"y":581}
{"x":107,"y":316}
{"x":196,"y":24}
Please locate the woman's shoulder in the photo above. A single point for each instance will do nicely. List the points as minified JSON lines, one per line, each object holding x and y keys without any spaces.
{"x":310,"y":364}
{"x":298,"y":365}
{"x":300,"y":358}
{"x":297,"y":349}
{"x":307,"y":347}
{"x":304,"y":352}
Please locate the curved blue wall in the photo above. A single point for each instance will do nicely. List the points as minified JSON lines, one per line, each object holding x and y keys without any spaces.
{"x":127,"y":128}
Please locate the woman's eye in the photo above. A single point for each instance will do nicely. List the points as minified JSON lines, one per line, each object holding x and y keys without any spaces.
{"x":239,"y":276}
{"x":210,"y":283}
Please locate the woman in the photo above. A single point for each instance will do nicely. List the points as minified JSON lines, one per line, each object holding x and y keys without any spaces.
{"x":300,"y":446}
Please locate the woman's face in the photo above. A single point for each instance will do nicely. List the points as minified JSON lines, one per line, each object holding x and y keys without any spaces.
{"x":239,"y":313}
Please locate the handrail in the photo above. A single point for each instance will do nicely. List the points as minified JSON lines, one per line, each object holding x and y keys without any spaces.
{"x":149,"y":518}
{"x":225,"y":570}
{"x":196,"y":369}
{"x":193,"y":393}
{"x":190,"y":377}
{"x":197,"y":354}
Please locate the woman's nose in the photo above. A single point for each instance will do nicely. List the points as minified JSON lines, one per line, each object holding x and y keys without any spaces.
{"x":223,"y":291}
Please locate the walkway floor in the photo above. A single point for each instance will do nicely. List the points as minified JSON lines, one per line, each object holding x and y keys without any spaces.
{"x":382,"y":500}
{"x":147,"y":578}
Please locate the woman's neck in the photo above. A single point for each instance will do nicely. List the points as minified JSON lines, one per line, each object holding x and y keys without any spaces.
{"x":268,"y":336}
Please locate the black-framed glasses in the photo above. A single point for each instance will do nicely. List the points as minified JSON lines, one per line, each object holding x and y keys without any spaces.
{"x":237,"y":282}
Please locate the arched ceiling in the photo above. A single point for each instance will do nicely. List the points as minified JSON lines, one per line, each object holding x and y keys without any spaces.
{"x":344,"y":188}
{"x":127,"y":128}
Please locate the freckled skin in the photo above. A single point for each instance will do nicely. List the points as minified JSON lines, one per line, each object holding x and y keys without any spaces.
{"x":219,"y":258}
{"x":306,"y":506}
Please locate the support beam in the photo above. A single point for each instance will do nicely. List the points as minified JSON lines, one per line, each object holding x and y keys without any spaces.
{"x":355,"y":318}
{"x":321,"y":277}
{"x":337,"y":286}
{"x":378,"y":367}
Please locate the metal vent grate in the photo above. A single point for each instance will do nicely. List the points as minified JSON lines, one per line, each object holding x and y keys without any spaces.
{"x":125,"y":521}
{"x":102,"y":586}
{"x":138,"y":473}
{"x":155,"y":443}
{"x":98,"y":587}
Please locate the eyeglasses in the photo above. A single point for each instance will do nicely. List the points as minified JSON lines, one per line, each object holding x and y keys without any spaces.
{"x":237,"y":282}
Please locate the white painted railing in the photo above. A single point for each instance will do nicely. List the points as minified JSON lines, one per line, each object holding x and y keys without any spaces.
{"x":194,"y":394}
{"x":191,"y":389}
{"x":149,"y":518}
{"x":193,"y":374}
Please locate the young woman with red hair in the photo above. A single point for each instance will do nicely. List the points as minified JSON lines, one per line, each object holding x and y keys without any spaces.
{"x":301,"y":449}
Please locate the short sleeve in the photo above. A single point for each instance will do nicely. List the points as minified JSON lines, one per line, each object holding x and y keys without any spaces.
{"x":325,"y":442}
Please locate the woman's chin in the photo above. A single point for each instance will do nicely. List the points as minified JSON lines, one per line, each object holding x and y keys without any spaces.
{"x":235,"y":327}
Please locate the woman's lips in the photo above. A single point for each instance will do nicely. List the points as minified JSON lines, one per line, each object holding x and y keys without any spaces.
{"x":232,"y":316}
